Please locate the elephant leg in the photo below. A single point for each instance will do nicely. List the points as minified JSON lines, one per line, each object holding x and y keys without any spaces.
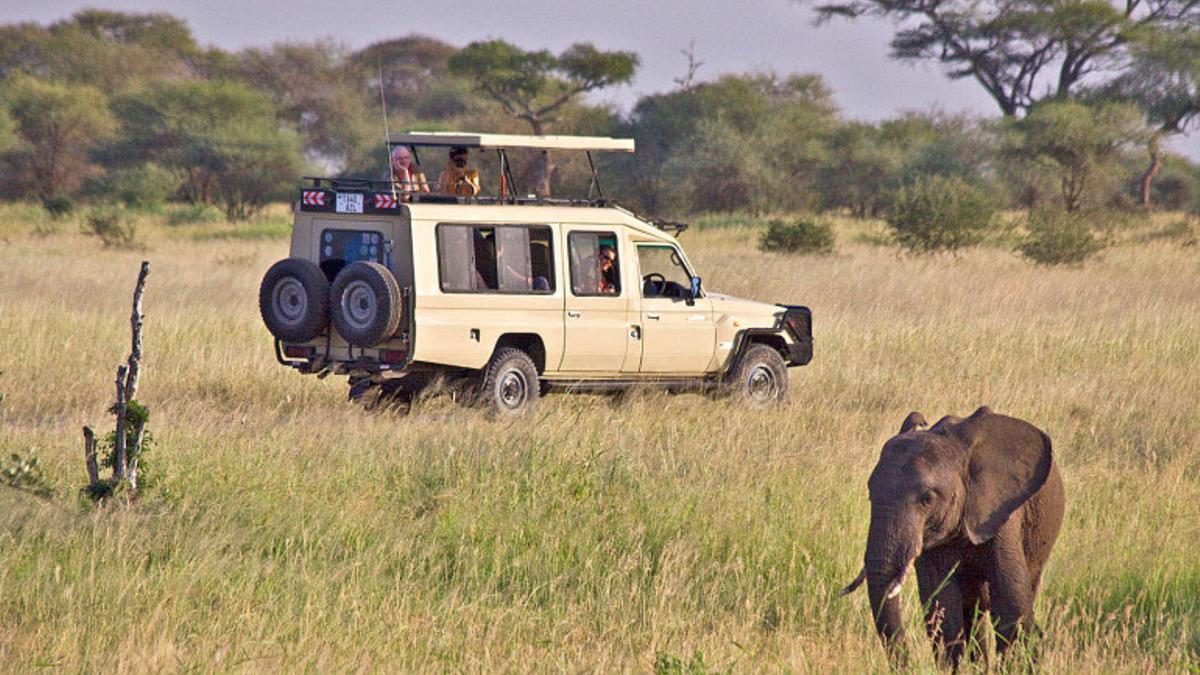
{"x":1009,"y":590}
{"x":973,"y":608}
{"x":941,"y":596}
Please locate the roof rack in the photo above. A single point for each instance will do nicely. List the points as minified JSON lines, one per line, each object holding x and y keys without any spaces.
{"x":671,"y":227}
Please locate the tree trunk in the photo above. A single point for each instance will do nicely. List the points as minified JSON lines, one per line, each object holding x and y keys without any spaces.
{"x":1151,"y":171}
{"x":545,"y":167}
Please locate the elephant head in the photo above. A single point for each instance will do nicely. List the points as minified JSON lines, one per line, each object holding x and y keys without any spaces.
{"x":956,"y":482}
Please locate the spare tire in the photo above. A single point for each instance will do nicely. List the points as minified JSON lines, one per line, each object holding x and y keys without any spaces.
{"x":294,"y":300}
{"x":365,"y":303}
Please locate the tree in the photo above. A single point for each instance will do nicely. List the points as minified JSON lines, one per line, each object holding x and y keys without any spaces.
{"x":220,"y":138}
{"x":1023,"y":51}
{"x":534,"y":86}
{"x":56,"y":126}
{"x":1164,"y":81}
{"x":315,"y":89}
{"x":1076,"y":141}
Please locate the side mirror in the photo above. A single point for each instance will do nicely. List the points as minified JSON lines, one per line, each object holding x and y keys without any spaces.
{"x":695,"y":290}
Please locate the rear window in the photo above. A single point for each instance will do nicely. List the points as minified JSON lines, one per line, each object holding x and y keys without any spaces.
{"x":495,"y":259}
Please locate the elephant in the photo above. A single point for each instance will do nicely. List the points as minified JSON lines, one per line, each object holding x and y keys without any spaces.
{"x":975,"y":505}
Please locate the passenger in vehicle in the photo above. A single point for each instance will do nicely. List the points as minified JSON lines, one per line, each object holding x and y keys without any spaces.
{"x":459,"y":178}
{"x":406,"y":175}
{"x":608,"y":271}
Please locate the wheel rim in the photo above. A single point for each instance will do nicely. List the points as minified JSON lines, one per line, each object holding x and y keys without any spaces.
{"x":513,"y":389}
{"x":761,"y":385}
{"x":290,"y":301}
{"x":359,"y":305}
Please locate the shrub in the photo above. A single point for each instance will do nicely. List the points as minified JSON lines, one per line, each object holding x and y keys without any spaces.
{"x":24,"y":472}
{"x":144,"y":186}
{"x":194,"y":213}
{"x":802,"y":235}
{"x":940,"y":213}
{"x":112,"y":227}
{"x":58,"y":207}
{"x":1058,"y":238}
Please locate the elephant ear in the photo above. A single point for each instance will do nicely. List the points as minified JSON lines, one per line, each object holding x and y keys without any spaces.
{"x":914,"y":420}
{"x":1008,"y":462}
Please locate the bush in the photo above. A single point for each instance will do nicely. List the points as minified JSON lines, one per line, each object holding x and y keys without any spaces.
{"x":145,"y":186}
{"x":194,"y":213}
{"x":940,"y":213}
{"x":1058,"y":238}
{"x":802,"y":235}
{"x":58,"y":207}
{"x":112,"y":227}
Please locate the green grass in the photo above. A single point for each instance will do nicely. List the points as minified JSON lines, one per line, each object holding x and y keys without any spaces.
{"x":290,"y":530}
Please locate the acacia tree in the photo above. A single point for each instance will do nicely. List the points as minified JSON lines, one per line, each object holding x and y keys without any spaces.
{"x":1164,"y":81}
{"x":1025,"y":51}
{"x":534,"y":86}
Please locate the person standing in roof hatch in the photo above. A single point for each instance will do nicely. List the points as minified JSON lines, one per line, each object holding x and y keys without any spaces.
{"x":406,"y":175}
{"x":459,"y":178}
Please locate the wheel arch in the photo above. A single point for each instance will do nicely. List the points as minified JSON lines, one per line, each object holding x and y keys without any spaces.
{"x":755,"y":336}
{"x":530,"y":343}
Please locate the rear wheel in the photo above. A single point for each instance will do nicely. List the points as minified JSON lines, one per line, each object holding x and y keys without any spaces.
{"x":760,"y":378}
{"x":509,"y":385}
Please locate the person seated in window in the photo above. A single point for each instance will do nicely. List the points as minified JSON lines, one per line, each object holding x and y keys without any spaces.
{"x":407,"y":176}
{"x":459,"y":178}
{"x":608,"y":271}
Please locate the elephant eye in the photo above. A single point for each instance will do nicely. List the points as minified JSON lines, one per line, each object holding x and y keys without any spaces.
{"x":927,"y":498}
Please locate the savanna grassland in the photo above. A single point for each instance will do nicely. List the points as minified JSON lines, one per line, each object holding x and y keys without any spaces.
{"x":290,"y":530}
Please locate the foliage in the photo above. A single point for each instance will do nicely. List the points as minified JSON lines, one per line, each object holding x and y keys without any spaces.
{"x":1055,"y":237}
{"x":220,"y":138}
{"x":1024,"y":52}
{"x":57,"y":126}
{"x":58,"y":207}
{"x":113,"y":227}
{"x":189,"y":214}
{"x":143,"y":186}
{"x":24,"y":472}
{"x":798,"y":235}
{"x":940,"y":213}
{"x":1078,"y":142}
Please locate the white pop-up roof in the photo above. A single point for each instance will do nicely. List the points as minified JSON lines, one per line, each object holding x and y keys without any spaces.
{"x":511,"y":141}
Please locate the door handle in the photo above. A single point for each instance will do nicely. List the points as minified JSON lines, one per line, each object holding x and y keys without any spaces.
{"x":654,"y":316}
{"x":573,"y":315}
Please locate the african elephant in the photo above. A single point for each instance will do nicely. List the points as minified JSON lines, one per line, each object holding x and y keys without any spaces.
{"x":975,"y":505}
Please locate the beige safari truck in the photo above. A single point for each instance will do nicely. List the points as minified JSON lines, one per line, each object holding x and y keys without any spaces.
{"x":515,"y":295}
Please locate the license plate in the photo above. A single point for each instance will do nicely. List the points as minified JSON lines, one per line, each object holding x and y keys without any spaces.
{"x":349,"y":202}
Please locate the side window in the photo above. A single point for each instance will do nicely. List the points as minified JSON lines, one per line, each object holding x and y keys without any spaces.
{"x":663,"y":272}
{"x":495,"y":258}
{"x":595,"y":265}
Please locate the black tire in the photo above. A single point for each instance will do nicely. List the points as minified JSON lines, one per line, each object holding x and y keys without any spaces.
{"x":365,"y":304}
{"x":509,"y":385}
{"x":294,"y":300}
{"x":760,"y":378}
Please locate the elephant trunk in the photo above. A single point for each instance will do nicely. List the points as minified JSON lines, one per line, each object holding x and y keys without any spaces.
{"x":889,"y":554}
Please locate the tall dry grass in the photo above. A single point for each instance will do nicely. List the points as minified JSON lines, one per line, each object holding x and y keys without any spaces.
{"x":290,"y":530}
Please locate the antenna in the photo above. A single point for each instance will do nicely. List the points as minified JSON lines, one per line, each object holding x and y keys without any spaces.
{"x":387,"y":150}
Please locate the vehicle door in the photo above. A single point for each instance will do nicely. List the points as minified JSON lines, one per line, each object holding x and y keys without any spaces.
{"x":678,"y":332}
{"x":598,"y":326}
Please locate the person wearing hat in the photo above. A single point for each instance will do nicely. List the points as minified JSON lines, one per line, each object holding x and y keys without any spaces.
{"x":459,"y":178}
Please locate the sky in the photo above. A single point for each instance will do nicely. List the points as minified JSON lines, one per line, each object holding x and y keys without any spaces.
{"x":728,"y":37}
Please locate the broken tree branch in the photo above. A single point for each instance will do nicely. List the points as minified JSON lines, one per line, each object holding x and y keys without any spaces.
{"x":89,"y":455}
{"x":135,"y":325}
{"x":119,"y":454}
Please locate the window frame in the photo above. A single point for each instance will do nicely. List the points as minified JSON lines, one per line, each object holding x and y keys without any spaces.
{"x":571,"y":267}
{"x":437,"y":239}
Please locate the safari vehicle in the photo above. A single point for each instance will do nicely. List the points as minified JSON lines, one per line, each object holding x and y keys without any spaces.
{"x":510,"y":293}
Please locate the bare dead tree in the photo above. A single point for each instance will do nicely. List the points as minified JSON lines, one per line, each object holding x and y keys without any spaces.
{"x":126,"y":450}
{"x":688,"y":81}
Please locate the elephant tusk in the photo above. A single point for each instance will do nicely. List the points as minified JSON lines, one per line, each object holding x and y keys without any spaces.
{"x":894,"y":588}
{"x":862,"y":575}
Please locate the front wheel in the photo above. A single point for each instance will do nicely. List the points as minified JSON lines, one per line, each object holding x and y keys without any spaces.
{"x":509,"y":385}
{"x":760,"y":378}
